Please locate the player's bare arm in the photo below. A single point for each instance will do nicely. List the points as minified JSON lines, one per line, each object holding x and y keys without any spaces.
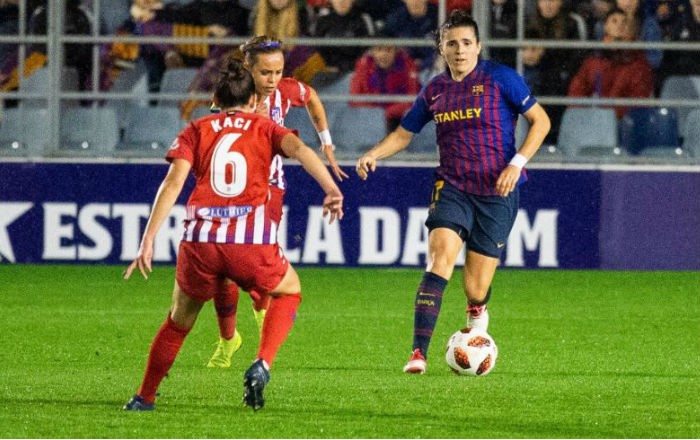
{"x":294,"y":148}
{"x":539,"y":127}
{"x":317,"y":114}
{"x":395,"y":142}
{"x":333,"y":163}
{"x":165,"y":199}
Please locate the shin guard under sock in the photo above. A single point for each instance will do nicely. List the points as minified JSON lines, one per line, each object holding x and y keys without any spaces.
{"x":278,"y":322}
{"x":426,"y":310}
{"x":164,"y":350}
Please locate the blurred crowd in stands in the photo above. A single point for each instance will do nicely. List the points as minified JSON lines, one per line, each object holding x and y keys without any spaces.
{"x":374,"y":70}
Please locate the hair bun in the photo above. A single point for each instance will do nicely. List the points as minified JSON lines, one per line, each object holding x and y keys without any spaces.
{"x":234,"y":70}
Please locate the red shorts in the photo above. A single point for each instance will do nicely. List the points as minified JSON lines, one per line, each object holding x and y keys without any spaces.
{"x":202,"y":267}
{"x":275,"y":204}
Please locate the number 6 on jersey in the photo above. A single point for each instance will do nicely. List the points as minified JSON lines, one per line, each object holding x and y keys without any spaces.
{"x":229,"y":169}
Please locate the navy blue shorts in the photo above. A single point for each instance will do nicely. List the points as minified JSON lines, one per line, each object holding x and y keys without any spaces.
{"x":483,"y":222}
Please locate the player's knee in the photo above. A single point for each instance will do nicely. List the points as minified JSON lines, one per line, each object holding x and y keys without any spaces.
{"x":442,"y":266}
{"x":184,"y":309}
{"x":290,"y":284}
{"x":183,"y":318}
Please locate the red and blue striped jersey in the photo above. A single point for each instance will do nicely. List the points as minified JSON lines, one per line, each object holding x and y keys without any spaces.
{"x":230,"y":155}
{"x":475,"y":123}
{"x":289,"y":93}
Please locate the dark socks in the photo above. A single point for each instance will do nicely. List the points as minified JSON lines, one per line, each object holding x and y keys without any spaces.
{"x":427,"y":309}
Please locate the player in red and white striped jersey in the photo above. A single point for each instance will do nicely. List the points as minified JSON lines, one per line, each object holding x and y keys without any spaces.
{"x":264,"y":58}
{"x":229,"y":231}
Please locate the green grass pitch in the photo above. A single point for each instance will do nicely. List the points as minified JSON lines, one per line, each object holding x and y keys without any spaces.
{"x":582,"y":354}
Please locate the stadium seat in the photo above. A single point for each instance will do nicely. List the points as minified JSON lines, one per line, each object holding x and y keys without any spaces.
{"x":23,"y":131}
{"x":677,"y":154}
{"x":134,"y":82}
{"x":549,"y":153}
{"x":298,"y":119}
{"x":691,"y":134}
{"x":94,"y":131}
{"x":150,"y":131}
{"x":358,"y":128}
{"x":176,"y":81}
{"x":332,"y":83}
{"x":39,"y":82}
{"x":323,"y":79}
{"x":129,"y":80}
{"x":588,"y":131}
{"x":681,"y":87}
{"x":649,"y":127}
{"x":546,"y":153}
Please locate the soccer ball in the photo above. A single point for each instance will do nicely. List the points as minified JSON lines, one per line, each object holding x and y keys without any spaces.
{"x":471,"y":352}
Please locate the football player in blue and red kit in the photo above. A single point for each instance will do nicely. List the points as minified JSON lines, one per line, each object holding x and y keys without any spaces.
{"x":229,"y":229}
{"x":475,"y":106}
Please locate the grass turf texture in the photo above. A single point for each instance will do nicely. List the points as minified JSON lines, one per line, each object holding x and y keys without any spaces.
{"x":582,"y":354}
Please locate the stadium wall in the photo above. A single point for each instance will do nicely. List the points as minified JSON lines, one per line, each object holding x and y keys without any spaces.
{"x":628,"y":218}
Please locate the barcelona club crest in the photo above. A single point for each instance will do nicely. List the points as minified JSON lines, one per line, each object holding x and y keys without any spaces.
{"x":478,"y":90}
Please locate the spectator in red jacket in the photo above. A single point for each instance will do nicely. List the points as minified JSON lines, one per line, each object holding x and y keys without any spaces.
{"x":616,"y":73}
{"x":456,"y":4}
{"x":386,"y":70}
